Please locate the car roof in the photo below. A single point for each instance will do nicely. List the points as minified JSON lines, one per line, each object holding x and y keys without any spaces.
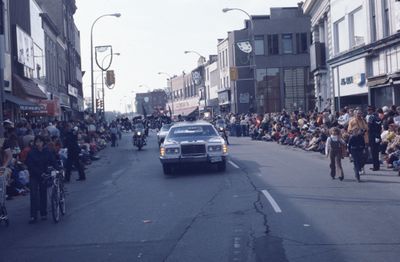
{"x":191,"y":123}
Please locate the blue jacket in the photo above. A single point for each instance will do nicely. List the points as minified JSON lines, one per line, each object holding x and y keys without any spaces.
{"x":39,"y":161}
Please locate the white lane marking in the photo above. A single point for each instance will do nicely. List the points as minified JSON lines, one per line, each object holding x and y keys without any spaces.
{"x":117,"y":173}
{"x":272,"y":201}
{"x":233,"y":164}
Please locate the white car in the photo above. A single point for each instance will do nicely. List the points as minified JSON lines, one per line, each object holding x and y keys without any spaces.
{"x":193,"y":142}
{"x":163,"y":133}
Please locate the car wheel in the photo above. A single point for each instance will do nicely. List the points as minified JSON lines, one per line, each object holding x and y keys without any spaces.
{"x":167,"y":168}
{"x":221,"y":166}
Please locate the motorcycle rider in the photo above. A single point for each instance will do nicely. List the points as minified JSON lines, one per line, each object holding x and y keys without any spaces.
{"x":221,"y":127}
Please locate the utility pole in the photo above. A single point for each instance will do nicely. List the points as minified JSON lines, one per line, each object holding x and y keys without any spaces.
{"x":2,"y":50}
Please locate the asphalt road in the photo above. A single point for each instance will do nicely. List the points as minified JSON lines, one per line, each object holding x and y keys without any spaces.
{"x":128,"y":210}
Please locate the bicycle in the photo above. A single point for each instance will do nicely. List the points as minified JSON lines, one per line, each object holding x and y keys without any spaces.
{"x":3,"y":191}
{"x":55,"y":182}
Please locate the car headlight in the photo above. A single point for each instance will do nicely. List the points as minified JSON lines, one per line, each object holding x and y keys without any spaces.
{"x":174,"y":150}
{"x":217,"y":148}
{"x":225,"y":148}
{"x":162,"y":151}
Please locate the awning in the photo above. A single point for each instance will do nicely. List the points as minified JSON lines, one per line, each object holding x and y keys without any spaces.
{"x":377,"y":80}
{"x":23,"y":104}
{"x":29,"y":87}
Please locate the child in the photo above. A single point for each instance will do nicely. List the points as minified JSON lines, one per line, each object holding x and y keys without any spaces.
{"x":334,"y":150}
{"x":356,"y":147}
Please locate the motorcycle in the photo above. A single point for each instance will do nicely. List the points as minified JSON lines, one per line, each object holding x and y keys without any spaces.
{"x":139,"y":139}
{"x":223,"y":134}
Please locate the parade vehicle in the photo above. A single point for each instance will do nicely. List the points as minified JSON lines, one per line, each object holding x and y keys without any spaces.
{"x":193,"y":142}
{"x":139,"y":136}
{"x":163,"y":133}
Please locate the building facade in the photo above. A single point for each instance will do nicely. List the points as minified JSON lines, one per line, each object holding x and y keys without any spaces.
{"x":151,"y":102}
{"x":282,"y":61}
{"x":225,"y":87}
{"x":211,"y":82}
{"x":361,"y":41}
{"x":319,"y":11}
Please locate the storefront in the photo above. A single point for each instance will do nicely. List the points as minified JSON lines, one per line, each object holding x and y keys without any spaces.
{"x":16,"y":108}
{"x":224,"y":101}
{"x":385,"y":90}
{"x":186,"y":106}
{"x":350,"y":85}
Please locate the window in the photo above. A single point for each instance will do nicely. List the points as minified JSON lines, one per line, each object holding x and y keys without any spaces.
{"x":386,"y":21}
{"x":294,"y":82}
{"x":340,"y":36}
{"x":357,"y":28}
{"x":373,"y":20}
{"x":259,"y":45}
{"x":301,"y":43}
{"x":273,"y":45}
{"x":287,"y":44}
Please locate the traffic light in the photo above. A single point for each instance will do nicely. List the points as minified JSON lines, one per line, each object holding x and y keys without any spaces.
{"x":97,"y":103}
{"x":102,"y":104}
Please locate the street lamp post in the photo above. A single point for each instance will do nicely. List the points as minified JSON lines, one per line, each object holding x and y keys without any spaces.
{"x":253,"y":53}
{"x":91,"y":56}
{"x":170,"y":91}
{"x":102,"y":81}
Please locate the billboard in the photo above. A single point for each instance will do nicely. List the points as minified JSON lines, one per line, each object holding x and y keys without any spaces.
{"x":25,"y":48}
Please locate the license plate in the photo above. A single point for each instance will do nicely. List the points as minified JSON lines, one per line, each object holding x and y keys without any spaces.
{"x":216,"y":159}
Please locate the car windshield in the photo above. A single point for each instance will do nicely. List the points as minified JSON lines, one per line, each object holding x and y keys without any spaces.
{"x":192,"y":131}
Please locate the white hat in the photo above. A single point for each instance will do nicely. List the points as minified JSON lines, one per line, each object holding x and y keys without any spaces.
{"x":76,"y":128}
{"x":385,"y":109}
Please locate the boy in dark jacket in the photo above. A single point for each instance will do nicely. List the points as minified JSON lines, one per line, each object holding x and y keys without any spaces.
{"x":39,"y":159}
{"x":356,"y":147}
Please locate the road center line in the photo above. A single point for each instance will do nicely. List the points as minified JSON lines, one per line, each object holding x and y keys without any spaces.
{"x":233,"y":164}
{"x":272,"y":201}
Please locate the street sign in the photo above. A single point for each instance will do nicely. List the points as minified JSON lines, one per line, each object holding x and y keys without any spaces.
{"x":110,"y":78}
{"x":233,"y":73}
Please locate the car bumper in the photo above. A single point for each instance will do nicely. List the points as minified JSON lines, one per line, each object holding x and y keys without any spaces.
{"x":194,"y":159}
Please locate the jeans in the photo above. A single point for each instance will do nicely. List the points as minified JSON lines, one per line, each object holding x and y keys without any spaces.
{"x":357,"y":161}
{"x":38,"y":192}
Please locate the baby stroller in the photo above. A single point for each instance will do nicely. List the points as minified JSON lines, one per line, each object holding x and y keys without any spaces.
{"x":3,"y":189}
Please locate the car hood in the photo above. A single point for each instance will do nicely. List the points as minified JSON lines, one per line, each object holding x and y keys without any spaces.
{"x":190,"y":140}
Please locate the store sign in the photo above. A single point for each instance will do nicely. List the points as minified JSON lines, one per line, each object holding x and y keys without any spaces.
{"x":73,"y":91}
{"x":25,"y":53}
{"x":223,"y":98}
{"x":196,"y":76}
{"x":64,"y":100}
{"x":358,"y":79}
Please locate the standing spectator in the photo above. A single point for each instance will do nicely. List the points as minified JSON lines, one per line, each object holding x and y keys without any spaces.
{"x":73,"y":154}
{"x":374,"y":136}
{"x":356,"y":146}
{"x":38,"y":161}
{"x":334,"y":150}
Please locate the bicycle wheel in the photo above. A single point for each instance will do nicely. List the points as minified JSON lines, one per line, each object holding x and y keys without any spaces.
{"x":55,"y":204}
{"x":62,"y":200}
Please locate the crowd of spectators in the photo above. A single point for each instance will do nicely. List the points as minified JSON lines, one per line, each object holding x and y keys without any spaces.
{"x":310,"y":130}
{"x":92,"y":136}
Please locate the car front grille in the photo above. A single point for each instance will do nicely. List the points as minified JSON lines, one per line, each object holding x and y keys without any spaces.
{"x":193,"y":150}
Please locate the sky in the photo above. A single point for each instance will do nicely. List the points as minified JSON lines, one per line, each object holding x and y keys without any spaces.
{"x":151,"y":36}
